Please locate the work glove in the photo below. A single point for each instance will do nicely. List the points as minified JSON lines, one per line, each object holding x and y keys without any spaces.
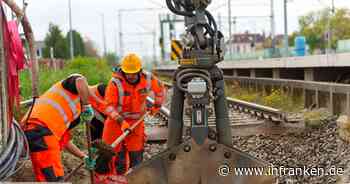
{"x":116,"y":117}
{"x":89,"y":163}
{"x":125,"y":126}
{"x":93,"y":150}
{"x":87,"y":113}
{"x":153,"y":109}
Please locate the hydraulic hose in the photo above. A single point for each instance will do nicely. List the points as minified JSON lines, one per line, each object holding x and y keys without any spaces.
{"x":15,"y":149}
{"x":191,"y":73}
{"x":171,"y":7}
{"x":211,"y":20}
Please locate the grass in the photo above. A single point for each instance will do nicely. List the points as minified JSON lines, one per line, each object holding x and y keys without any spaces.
{"x":94,"y":70}
{"x":165,"y":79}
{"x":276,"y":98}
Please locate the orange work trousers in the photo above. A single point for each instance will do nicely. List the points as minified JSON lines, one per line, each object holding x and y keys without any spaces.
{"x":45,"y":153}
{"x":130,"y":151}
{"x":133,"y":142}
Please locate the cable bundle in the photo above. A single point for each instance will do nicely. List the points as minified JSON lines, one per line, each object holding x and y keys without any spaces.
{"x":15,"y":149}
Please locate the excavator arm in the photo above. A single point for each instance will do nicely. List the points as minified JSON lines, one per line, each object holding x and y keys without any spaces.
{"x":205,"y":156}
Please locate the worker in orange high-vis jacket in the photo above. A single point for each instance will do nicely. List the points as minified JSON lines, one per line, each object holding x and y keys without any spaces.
{"x":97,"y":123}
{"x":47,"y":126}
{"x":127,"y":92}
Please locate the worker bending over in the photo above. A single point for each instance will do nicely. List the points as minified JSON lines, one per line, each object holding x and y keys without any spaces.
{"x":47,"y":126}
{"x":97,"y":123}
{"x":127,"y":92}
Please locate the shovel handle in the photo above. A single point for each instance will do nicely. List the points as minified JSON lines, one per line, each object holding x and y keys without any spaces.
{"x":128,"y":131}
{"x":73,"y":172}
{"x":88,"y":139}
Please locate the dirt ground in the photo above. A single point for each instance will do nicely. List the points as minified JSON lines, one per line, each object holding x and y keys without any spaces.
{"x":80,"y":177}
{"x":70,"y":162}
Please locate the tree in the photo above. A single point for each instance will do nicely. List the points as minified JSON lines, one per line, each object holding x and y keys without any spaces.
{"x":314,"y":26}
{"x":291,"y":38}
{"x":54,"y":38}
{"x":90,"y":48}
{"x":78,"y":43}
{"x":112,"y":59}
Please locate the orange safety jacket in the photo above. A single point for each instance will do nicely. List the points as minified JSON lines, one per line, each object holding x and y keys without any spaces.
{"x":97,"y":101}
{"x":130,"y":100}
{"x":57,"y":108}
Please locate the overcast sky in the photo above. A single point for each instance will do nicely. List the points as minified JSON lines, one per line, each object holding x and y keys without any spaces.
{"x":137,"y":26}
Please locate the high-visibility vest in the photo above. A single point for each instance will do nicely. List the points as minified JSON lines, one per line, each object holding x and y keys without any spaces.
{"x":132,"y":98}
{"x":95,"y":103}
{"x":100,"y":109}
{"x":56,"y":108}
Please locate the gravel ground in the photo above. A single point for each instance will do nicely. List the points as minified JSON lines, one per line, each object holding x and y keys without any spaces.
{"x":319,"y":148}
{"x":153,"y":149}
{"x":313,"y":148}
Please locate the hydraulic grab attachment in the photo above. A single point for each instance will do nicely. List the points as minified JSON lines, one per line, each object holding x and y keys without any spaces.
{"x":205,"y":156}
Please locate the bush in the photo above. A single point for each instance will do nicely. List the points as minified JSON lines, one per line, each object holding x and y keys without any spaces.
{"x":275,"y":99}
{"x":96,"y":71}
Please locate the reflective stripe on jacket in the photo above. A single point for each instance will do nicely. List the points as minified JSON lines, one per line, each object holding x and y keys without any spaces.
{"x":130,"y":100}
{"x":57,"y":108}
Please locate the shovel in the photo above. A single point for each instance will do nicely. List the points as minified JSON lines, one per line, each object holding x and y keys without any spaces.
{"x":106,"y":152}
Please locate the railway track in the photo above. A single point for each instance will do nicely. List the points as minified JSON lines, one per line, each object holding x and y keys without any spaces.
{"x":277,"y":138}
{"x":270,"y":135}
{"x":246,"y":119}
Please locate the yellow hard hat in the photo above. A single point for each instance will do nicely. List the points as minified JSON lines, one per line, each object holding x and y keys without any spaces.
{"x":131,"y":63}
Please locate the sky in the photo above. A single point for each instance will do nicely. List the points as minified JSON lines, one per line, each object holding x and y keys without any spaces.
{"x":138,"y":26}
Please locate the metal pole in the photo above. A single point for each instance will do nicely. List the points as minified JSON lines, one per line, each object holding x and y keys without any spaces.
{"x":273,"y":43}
{"x":121,"y":46}
{"x":104,"y":35}
{"x":115,"y":43}
{"x":162,"y":38}
{"x":328,"y":50}
{"x":286,"y":44}
{"x":229,"y":28}
{"x":154,"y":47}
{"x":4,"y":108}
{"x":171,"y":27}
{"x":220,"y":22}
{"x":330,"y":31}
{"x":71,"y":31}
{"x":52,"y":57}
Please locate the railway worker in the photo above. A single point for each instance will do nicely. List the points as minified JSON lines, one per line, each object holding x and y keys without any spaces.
{"x":97,"y":122}
{"x":47,"y":126}
{"x":127,"y":92}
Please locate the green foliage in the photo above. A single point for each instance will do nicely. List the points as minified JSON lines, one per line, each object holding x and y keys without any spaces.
{"x":112,"y":59}
{"x":275,"y":99}
{"x":96,"y":71}
{"x":90,"y":48}
{"x":54,"y":38}
{"x":316,"y":118}
{"x":78,"y":43}
{"x":314,"y":26}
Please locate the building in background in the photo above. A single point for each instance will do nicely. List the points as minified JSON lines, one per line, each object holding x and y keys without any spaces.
{"x":244,"y":43}
{"x":40,"y":48}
